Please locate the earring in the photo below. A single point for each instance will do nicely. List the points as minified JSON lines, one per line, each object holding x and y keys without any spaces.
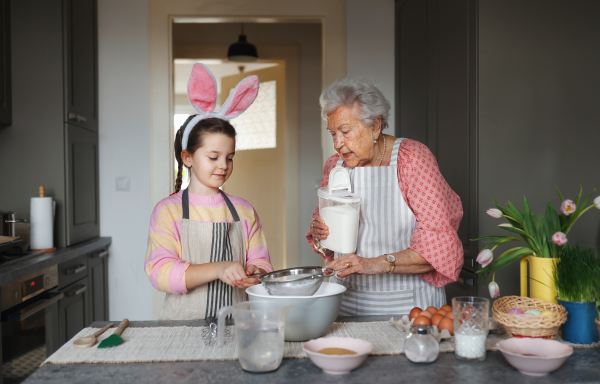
{"x":375,"y":141}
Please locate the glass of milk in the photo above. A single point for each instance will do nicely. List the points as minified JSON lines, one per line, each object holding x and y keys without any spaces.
{"x":470,"y":327}
{"x":340,"y":209}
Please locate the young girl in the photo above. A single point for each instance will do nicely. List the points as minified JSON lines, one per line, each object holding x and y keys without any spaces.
{"x":203,"y":244}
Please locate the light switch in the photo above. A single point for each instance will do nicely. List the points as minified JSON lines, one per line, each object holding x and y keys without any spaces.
{"x":122,"y":183}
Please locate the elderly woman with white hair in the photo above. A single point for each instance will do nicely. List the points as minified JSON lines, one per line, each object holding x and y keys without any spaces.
{"x":408,"y":247}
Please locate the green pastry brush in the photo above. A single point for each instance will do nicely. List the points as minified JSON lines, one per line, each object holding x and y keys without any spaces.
{"x":115,"y":338}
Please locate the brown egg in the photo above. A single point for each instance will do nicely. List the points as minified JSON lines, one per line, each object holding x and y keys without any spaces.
{"x":446,"y":308}
{"x":435,"y":320}
{"x":422,"y":320}
{"x":432,"y":310}
{"x":427,"y":314}
{"x":448,"y":324}
{"x":441,"y":312}
{"x":449,"y":315}
{"x":414,"y":313}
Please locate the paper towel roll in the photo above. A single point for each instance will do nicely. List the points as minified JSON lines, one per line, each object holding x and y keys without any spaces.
{"x":42,"y":235}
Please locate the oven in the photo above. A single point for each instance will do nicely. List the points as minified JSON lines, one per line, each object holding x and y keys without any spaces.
{"x":29,"y":323}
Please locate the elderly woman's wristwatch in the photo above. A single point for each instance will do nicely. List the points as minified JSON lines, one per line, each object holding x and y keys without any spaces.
{"x":392,"y":260}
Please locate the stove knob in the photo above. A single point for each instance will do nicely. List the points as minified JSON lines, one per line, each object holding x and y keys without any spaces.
{"x":17,"y":296}
{"x":47,"y":280}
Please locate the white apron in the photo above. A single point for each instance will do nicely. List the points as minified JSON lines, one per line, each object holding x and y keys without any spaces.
{"x":207,"y":243}
{"x":386,"y":226}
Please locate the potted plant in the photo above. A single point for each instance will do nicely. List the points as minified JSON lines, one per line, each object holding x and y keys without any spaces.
{"x":576,"y":277}
{"x":543,"y":237}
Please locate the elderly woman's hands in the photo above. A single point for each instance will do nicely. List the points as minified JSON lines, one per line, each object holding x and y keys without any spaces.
{"x":318,"y":229}
{"x":352,"y":263}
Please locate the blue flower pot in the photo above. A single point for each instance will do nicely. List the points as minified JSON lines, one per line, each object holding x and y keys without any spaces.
{"x":580,"y":327}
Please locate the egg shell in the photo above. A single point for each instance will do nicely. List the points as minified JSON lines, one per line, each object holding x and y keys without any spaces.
{"x":435,"y":320}
{"x":448,"y":324}
{"x":446,"y":308}
{"x":515,"y":311}
{"x":450,"y":315}
{"x":422,"y":320}
{"x":432,"y":310}
{"x":427,"y":314}
{"x":533,"y":312}
{"x":547,"y":313}
{"x":441,"y":312}
{"x":414,"y":313}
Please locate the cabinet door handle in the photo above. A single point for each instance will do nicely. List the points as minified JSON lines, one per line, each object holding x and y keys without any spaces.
{"x":72,"y":116}
{"x":78,"y":291}
{"x":100,"y":255}
{"x":470,"y":262}
{"x":465,"y":281}
{"x":81,"y":119}
{"x":76,"y":270}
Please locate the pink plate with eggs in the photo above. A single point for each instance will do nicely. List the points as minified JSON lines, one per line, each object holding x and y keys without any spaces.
{"x":337,"y":364}
{"x":535,"y":357}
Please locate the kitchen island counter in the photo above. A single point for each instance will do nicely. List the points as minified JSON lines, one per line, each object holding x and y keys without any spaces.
{"x":582,"y":367}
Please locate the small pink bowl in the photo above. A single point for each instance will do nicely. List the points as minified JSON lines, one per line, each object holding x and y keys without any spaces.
{"x":535,"y":357}
{"x":337,"y":364}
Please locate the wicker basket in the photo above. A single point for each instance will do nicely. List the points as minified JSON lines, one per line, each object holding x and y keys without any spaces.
{"x":544,"y":327}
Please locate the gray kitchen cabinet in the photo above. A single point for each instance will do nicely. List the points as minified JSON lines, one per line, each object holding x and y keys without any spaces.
{"x":5,"y":64}
{"x":80,"y":62}
{"x":82,"y":209}
{"x":98,"y":282}
{"x":54,"y":73}
{"x":73,"y":310}
{"x":436,"y":100}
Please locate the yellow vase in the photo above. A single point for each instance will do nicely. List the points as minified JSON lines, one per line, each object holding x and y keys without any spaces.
{"x":541,"y":278}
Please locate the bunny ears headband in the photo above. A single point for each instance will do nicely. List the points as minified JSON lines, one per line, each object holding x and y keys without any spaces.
{"x":202,"y":92}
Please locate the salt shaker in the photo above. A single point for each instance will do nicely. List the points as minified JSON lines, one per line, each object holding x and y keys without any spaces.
{"x":421,"y":346}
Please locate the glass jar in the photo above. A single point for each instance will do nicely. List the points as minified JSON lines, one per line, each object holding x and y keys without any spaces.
{"x":421,"y":346}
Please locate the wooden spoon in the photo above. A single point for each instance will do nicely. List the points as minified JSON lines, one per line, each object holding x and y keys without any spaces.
{"x":86,"y":342}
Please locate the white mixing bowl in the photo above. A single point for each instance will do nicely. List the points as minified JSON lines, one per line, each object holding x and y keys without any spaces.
{"x":310,"y":316}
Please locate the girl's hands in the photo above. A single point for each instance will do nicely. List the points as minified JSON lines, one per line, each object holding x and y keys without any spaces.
{"x":230,"y":272}
{"x":354,"y":264}
{"x":318,"y":229}
{"x":247,"y":282}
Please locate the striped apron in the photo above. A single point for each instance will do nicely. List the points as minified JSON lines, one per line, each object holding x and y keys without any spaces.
{"x":386,"y":226}
{"x":207,"y":243}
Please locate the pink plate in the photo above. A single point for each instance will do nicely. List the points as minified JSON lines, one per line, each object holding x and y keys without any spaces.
{"x":337,"y":364}
{"x":535,"y":357}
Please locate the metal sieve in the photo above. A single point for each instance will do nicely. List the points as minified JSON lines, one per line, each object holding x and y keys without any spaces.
{"x":303,"y":281}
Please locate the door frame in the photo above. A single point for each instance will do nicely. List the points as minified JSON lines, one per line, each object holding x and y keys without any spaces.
{"x":161,"y":15}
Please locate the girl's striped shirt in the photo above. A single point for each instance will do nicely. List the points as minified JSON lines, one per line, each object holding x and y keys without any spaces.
{"x":163,"y":263}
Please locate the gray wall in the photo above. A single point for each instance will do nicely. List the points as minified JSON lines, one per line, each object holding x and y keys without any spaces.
{"x":539,"y":115}
{"x":308,"y":38}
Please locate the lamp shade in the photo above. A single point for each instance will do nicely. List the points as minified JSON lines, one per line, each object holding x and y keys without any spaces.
{"x":242,"y":51}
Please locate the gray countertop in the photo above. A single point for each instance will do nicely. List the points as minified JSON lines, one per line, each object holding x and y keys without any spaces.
{"x":39,"y":260}
{"x":582,"y":367}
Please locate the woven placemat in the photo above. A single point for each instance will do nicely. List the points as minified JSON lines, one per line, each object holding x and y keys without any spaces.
{"x":151,"y":344}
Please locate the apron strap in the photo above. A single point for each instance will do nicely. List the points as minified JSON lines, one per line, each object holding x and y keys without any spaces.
{"x":185,"y":205}
{"x":234,"y":213}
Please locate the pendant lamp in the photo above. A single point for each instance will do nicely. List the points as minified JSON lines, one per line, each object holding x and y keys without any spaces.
{"x":242,"y":51}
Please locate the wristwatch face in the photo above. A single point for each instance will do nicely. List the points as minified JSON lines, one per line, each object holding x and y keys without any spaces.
{"x":390,"y":258}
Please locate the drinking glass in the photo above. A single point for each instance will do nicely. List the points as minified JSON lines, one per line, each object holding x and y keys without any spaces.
{"x":470,"y":327}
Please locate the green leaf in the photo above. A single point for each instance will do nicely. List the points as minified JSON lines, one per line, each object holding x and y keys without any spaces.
{"x":560,"y":195}
{"x":505,"y":260}
{"x":487,"y":237}
{"x":515,"y":212}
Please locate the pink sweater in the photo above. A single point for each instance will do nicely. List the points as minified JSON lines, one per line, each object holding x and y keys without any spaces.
{"x":163,"y":263}
{"x":437,"y":208}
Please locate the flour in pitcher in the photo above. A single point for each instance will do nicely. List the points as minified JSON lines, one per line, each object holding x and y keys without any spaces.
{"x":342,"y":221}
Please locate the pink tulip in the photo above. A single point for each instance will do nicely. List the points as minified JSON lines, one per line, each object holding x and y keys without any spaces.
{"x":597,"y":202}
{"x":567,"y":207}
{"x":494,"y":289}
{"x":559,"y":238}
{"x":495,"y":213}
{"x":485,"y":257}
{"x":505,"y":225}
